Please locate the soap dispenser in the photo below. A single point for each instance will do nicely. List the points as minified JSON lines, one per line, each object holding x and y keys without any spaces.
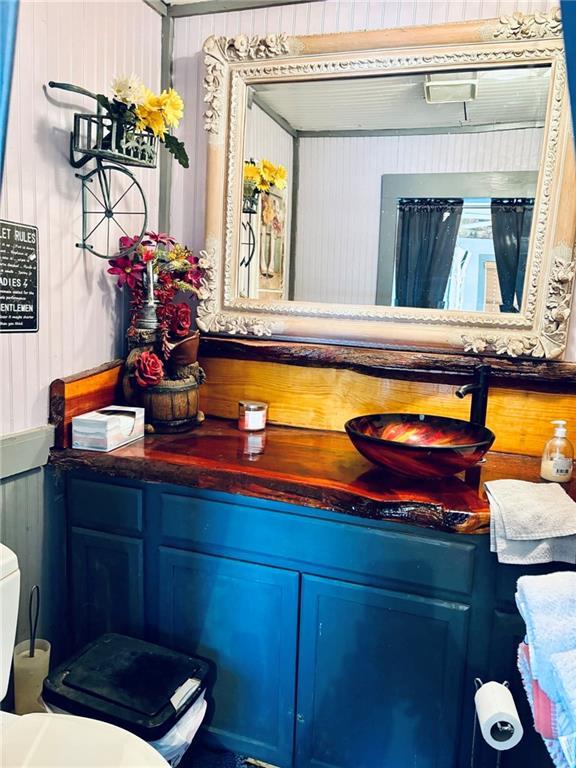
{"x":558,"y":457}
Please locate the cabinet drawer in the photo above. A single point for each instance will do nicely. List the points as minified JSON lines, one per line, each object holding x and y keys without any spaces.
{"x":104,"y":507}
{"x":317,"y":546}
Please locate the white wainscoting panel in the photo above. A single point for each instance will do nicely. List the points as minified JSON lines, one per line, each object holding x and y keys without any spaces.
{"x":32,"y":524}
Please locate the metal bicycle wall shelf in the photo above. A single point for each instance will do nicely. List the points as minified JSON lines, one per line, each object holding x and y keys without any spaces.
{"x":109,"y":187}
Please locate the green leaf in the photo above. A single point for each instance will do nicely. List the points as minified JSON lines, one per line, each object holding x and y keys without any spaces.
{"x":104,"y":101}
{"x":129,"y":117}
{"x":117,"y":109}
{"x":176,"y":148}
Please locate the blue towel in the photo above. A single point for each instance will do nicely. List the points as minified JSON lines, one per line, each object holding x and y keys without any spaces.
{"x":548,"y":606}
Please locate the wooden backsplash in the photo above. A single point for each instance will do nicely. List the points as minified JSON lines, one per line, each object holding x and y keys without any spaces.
{"x":325,"y":397}
{"x":320,"y":387}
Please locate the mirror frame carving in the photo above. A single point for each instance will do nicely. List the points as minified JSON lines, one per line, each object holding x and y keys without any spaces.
{"x":540,"y":330}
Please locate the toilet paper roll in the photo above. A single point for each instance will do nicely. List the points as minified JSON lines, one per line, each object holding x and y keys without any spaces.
{"x":498,"y":716}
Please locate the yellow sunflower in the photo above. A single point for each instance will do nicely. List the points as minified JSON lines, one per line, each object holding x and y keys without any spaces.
{"x":268,"y":171}
{"x":152,"y":101}
{"x":172,"y":107}
{"x":153,"y":120}
{"x":280,"y":177}
{"x":150,"y":114}
{"x":251,"y":174}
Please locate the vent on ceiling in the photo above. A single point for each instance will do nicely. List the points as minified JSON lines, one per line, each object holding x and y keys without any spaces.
{"x":443,"y":89}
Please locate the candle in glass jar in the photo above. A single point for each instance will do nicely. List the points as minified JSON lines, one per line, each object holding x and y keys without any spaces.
{"x":251,"y":415}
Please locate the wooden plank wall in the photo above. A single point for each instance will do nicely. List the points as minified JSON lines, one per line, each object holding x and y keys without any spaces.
{"x":324,"y":398}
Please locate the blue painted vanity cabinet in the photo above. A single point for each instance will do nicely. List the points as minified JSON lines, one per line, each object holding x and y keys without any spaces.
{"x":337,"y":642}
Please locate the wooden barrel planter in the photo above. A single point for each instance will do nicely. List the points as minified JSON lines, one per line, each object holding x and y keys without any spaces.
{"x":171,"y":406}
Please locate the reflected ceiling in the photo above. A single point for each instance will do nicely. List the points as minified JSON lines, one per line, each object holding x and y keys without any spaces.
{"x":504,"y":97}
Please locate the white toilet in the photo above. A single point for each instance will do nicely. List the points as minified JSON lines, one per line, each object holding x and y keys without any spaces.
{"x":49,"y":740}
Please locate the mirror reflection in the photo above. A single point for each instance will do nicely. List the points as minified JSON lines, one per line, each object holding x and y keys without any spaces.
{"x":401,"y":190}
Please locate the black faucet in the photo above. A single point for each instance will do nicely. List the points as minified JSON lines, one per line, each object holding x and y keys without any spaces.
{"x":479,"y":389}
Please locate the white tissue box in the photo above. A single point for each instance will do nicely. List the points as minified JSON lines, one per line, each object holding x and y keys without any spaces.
{"x":107,"y":428}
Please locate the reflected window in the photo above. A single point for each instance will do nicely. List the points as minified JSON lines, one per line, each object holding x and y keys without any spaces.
{"x":464,"y":254}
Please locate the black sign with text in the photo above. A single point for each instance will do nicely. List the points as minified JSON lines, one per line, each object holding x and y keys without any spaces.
{"x":18,"y":278}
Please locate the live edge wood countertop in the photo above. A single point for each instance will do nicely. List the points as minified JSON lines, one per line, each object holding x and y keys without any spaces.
{"x":311,"y":468}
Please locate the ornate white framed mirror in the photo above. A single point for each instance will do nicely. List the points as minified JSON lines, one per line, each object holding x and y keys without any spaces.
{"x":403,"y":187}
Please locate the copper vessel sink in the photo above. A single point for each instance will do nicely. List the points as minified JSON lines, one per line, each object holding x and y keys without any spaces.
{"x":417,"y":445}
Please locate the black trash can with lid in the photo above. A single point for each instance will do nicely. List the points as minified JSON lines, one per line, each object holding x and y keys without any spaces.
{"x":139,"y":686}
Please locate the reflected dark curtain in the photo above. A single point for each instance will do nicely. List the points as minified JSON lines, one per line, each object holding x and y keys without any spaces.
{"x":511,"y":223}
{"x":427,"y":232}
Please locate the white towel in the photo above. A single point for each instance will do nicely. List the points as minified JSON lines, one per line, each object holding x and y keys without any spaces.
{"x":531,"y":522}
{"x":548,"y":594}
{"x":547,"y":604}
{"x":534,"y":510}
{"x":564,"y":670}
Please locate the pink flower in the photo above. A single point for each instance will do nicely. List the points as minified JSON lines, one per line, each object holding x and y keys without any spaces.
{"x":158,"y":238}
{"x":193,"y":277}
{"x":127,"y":242}
{"x":129,"y":273}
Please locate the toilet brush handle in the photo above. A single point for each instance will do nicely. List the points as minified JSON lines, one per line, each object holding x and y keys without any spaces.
{"x":33,"y":613}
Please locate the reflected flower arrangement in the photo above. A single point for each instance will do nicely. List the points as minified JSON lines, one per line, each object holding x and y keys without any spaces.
{"x":260,"y":178}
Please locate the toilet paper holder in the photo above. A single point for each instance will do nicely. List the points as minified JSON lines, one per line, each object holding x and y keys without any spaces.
{"x":503,"y":727}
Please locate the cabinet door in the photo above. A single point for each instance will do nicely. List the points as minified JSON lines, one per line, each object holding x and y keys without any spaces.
{"x":244,"y":618}
{"x":380,"y":678}
{"x":106,"y":580}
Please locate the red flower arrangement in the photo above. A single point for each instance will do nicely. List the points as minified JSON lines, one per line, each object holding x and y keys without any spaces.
{"x":174,"y":270}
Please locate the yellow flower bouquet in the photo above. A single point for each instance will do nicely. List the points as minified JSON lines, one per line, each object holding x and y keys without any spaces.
{"x":260,"y":177}
{"x":139,"y":109}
